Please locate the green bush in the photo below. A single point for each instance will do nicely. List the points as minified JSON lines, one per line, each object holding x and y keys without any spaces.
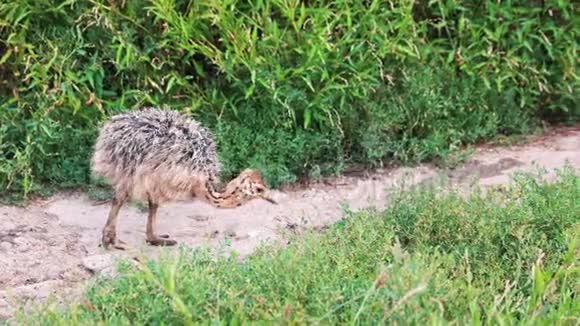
{"x":367,"y":81}
{"x":508,"y":257}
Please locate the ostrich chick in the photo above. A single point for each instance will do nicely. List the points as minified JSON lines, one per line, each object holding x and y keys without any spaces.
{"x":159,"y":156}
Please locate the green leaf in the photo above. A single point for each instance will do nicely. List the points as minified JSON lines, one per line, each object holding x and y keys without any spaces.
{"x":6,"y":56}
{"x":307,"y":117}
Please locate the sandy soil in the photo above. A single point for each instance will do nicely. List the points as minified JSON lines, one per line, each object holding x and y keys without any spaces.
{"x":51,"y":247}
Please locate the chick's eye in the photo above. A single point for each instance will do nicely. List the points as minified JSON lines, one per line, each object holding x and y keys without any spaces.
{"x":260,"y":190}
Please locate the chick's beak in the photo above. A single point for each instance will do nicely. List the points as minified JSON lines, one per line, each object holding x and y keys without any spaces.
{"x":268,"y":199}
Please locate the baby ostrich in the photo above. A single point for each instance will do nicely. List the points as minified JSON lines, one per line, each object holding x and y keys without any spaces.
{"x":158,"y":156}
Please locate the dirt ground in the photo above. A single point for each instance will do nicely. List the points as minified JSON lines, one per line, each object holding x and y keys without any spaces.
{"x":50,"y":248}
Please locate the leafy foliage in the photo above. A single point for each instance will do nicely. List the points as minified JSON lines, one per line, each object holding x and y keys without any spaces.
{"x":367,"y":81}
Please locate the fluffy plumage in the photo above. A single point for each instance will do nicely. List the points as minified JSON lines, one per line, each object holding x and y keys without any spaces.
{"x":155,"y":153}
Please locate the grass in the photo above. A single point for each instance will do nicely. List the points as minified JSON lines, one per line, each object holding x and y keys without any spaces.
{"x":507,"y":256}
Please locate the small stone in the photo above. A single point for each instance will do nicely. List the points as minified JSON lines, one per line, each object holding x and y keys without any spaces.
{"x":5,"y":246}
{"x":243,"y":237}
{"x":98,"y":263}
{"x":230,"y":233}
